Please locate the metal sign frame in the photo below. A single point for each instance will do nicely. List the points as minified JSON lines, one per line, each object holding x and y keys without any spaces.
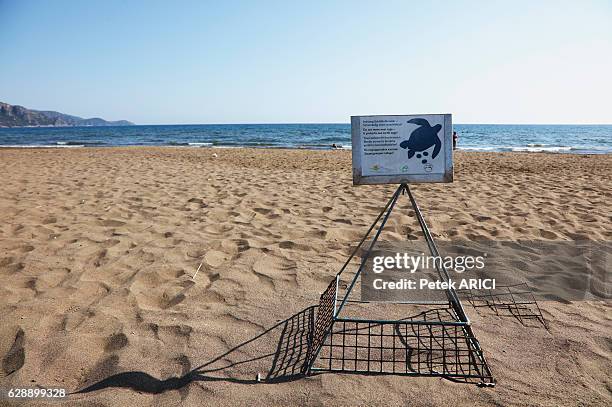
{"x":360,"y":179}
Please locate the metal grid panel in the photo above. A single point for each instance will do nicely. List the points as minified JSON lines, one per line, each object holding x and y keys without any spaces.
{"x":438,"y":349}
{"x":293,"y":347}
{"x":325,"y":317}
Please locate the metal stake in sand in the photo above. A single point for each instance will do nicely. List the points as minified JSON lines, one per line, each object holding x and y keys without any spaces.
{"x":196,"y":273}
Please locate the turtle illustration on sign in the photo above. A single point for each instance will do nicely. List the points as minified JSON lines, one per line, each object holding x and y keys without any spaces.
{"x":422,"y":138}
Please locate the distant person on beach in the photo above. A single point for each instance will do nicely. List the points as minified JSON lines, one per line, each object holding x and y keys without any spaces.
{"x":455,"y":138}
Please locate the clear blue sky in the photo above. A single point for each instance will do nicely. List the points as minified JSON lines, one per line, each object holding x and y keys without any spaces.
{"x":289,"y":61}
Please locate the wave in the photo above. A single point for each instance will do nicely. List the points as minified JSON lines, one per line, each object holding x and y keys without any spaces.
{"x":326,"y":146}
{"x":594,"y":148}
{"x":80,"y":143}
{"x":530,"y":148}
{"x":540,"y":148}
{"x":41,"y":145}
{"x":189,"y":144}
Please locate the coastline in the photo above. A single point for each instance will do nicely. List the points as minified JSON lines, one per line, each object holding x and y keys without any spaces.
{"x":461,"y":150}
{"x":581,"y":139}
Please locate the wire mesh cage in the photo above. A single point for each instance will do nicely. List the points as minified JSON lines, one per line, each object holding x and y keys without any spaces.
{"x":438,"y":341}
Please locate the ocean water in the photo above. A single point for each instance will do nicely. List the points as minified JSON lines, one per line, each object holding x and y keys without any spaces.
{"x":583,"y":139}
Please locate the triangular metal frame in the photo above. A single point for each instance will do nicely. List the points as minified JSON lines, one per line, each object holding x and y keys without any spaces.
{"x":468,"y":362}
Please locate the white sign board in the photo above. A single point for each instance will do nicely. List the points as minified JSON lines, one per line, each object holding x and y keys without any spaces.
{"x":402,"y":149}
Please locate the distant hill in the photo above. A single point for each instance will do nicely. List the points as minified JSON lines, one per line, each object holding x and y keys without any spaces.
{"x":19,"y":116}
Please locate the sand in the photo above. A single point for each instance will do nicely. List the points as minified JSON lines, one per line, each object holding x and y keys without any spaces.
{"x":124,"y":269}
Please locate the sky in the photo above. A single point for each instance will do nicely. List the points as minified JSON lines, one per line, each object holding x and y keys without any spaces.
{"x":175,"y":62}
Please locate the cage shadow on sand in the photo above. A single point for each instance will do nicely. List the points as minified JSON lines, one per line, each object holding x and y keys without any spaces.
{"x":516,"y":301}
{"x":393,"y":348}
{"x":251,"y":362}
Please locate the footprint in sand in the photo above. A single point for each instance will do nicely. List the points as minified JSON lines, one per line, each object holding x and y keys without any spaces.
{"x":174,"y":335}
{"x":5,"y":261}
{"x":14,"y":267}
{"x":271,"y":268}
{"x":195,"y":253}
{"x":112,"y":223}
{"x":215,"y":258}
{"x":171,"y":299}
{"x":287,"y":244}
{"x":49,"y":220}
{"x":198,"y":202}
{"x":116,"y":342}
{"x":242,"y":244}
{"x":99,"y":258}
{"x":263,"y":211}
{"x":218,"y":229}
{"x":345,"y":221}
{"x":12,"y":351}
{"x":109,"y":243}
{"x":547,"y":234}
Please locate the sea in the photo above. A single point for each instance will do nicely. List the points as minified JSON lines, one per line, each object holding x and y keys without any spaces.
{"x":579,"y":139}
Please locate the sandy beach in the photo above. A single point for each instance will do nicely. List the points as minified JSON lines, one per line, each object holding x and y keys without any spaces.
{"x":132,"y":276}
